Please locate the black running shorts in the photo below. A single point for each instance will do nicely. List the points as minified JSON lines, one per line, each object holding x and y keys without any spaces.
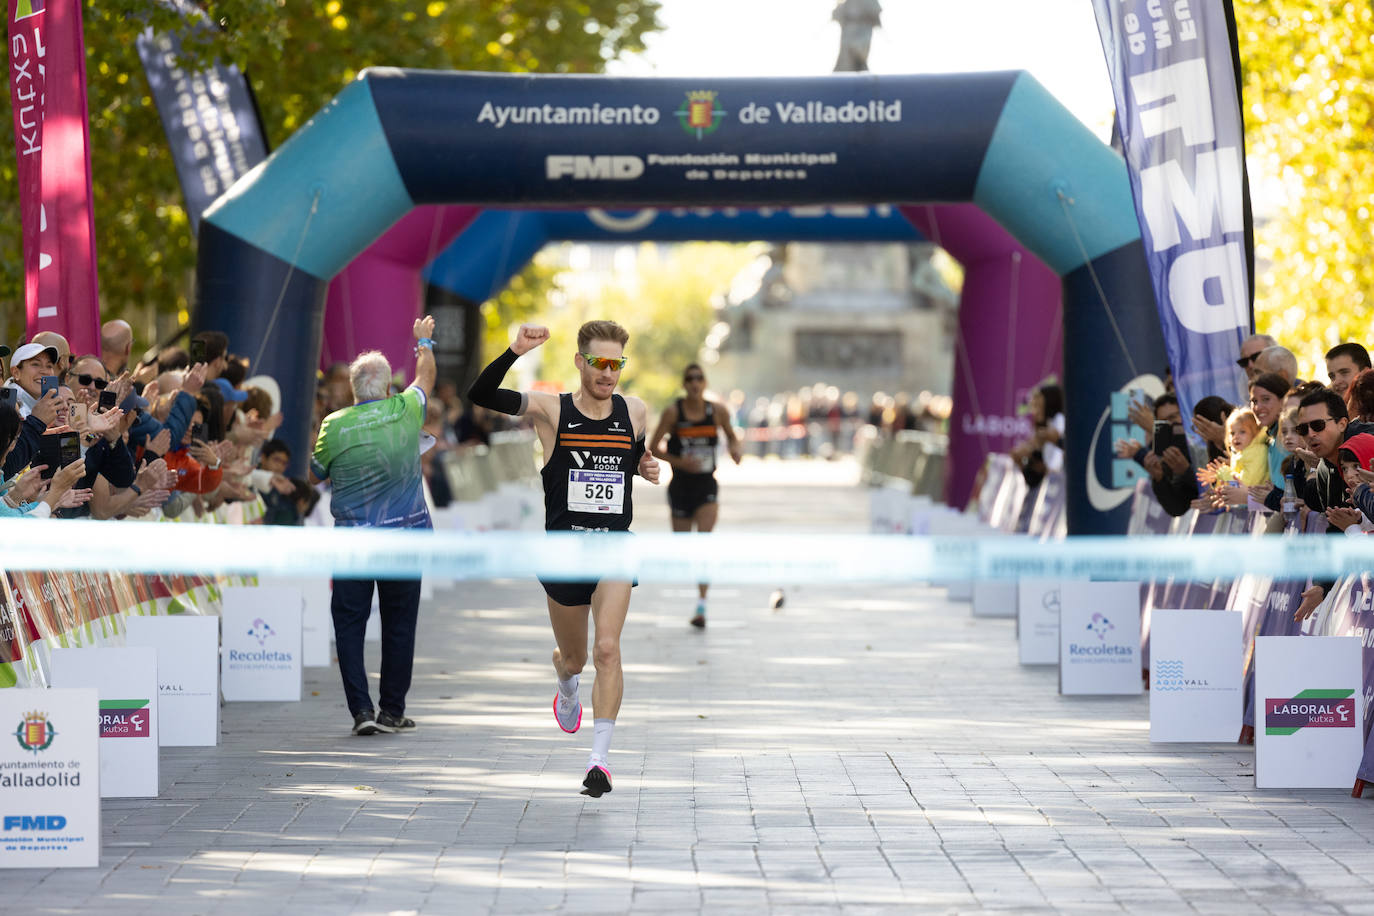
{"x":572,"y":594}
{"x":689,"y":492}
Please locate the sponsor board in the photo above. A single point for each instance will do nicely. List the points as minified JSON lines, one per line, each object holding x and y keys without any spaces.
{"x":260,"y":652}
{"x":1309,"y":718}
{"x":1099,"y":638}
{"x":317,"y":623}
{"x":187,"y":649}
{"x":1197,"y":665}
{"x":994,"y":598}
{"x":1037,"y":621}
{"x":126,"y":681}
{"x":49,"y":778}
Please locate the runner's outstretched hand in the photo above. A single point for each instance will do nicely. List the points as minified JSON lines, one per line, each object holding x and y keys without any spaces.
{"x":648,"y":468}
{"x":528,"y":337}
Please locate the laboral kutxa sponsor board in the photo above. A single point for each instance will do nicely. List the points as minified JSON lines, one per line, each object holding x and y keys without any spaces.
{"x":723,"y":141}
{"x":49,"y":779}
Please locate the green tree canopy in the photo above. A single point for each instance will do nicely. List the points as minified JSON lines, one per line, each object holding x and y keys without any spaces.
{"x":298,"y":55}
{"x":1309,"y":110}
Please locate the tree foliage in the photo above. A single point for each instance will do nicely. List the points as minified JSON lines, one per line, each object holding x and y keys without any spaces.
{"x":1309,"y":108}
{"x":298,"y":54}
{"x":667,"y":303}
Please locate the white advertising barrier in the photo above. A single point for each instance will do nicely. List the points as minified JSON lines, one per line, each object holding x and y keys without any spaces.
{"x":994,"y":599}
{"x":187,"y":647}
{"x":957,"y":524}
{"x":1308,"y":718}
{"x":919,"y":512}
{"x":317,"y":622}
{"x":1099,"y":638}
{"x":1037,"y":621}
{"x":889,"y":508}
{"x":1197,"y":661}
{"x":125,"y":680}
{"x":260,"y":655}
{"x":50,"y":778}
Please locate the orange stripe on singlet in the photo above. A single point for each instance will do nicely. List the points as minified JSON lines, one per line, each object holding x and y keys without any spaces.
{"x":696,"y":431}
{"x":621,"y":442}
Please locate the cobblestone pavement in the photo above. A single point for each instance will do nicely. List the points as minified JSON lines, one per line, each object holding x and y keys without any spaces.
{"x":861,"y":749}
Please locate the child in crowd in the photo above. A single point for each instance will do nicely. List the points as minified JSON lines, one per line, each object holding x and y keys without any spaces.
{"x":1356,"y":454}
{"x":1249,"y":445}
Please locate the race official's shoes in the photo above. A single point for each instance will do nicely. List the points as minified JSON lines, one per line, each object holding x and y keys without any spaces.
{"x":365,"y":723}
{"x":386,"y":722}
{"x":567,"y":712}
{"x":598,"y":780}
{"x":699,"y":618}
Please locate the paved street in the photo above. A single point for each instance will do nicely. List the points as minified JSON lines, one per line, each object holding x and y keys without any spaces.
{"x":861,"y":749}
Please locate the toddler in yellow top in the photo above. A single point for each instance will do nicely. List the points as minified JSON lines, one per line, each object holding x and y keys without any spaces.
{"x":1249,"y":450}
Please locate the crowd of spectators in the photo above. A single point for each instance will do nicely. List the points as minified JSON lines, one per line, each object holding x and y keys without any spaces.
{"x":183,"y":434}
{"x":1295,"y":448}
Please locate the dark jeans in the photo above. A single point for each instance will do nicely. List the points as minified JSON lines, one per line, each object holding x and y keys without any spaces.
{"x":351,"y":605}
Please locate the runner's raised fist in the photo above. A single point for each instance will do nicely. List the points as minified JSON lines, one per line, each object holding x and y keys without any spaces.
{"x":528,"y":337}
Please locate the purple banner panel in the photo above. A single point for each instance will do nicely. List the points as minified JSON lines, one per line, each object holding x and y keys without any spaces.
{"x":1179,"y":116}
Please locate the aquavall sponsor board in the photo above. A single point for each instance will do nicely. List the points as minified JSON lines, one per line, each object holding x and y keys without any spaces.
{"x":1037,"y":616}
{"x":49,"y":778}
{"x":187,"y":647}
{"x":1197,"y":661}
{"x":1309,"y":717}
{"x":260,"y":651}
{"x":1099,"y":638}
{"x":125,"y":680}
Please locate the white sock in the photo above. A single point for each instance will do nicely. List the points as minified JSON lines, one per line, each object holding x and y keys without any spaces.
{"x":569,"y":687}
{"x":601,"y":739}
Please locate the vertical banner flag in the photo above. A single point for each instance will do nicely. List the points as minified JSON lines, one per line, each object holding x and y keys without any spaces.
{"x":1178,"y":110}
{"x":48,"y":96}
{"x":210,"y":117}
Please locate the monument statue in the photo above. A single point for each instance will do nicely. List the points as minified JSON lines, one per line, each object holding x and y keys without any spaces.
{"x":857,"y":19}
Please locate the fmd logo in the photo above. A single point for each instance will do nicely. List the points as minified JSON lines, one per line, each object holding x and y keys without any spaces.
{"x":593,"y":168}
{"x":699,"y":115}
{"x":34,"y":822}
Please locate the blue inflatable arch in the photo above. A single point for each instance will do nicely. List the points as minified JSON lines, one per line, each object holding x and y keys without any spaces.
{"x":395,"y":139}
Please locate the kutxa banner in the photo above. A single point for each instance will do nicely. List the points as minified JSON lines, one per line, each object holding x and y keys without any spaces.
{"x":209,"y":115}
{"x":1179,"y":115}
{"x":51,"y":135}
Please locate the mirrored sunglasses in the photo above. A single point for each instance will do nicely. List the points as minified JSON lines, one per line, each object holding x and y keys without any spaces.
{"x":606,"y":362}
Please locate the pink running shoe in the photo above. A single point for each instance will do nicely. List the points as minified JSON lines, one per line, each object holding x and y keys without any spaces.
{"x":567,"y":712}
{"x":598,"y":781}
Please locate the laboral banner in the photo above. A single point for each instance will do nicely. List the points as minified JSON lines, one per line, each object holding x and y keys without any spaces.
{"x":1309,"y":694}
{"x":1179,"y":114}
{"x":209,"y":115}
{"x":51,"y":136}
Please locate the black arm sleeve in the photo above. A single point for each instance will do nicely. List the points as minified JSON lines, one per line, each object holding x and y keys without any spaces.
{"x":487,"y":391}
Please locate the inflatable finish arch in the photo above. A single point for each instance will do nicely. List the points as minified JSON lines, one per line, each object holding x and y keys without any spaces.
{"x":397,"y":139}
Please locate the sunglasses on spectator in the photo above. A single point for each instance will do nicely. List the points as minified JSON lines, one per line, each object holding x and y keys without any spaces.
{"x":1247,"y":360}
{"x":84,"y":380}
{"x":1315,"y":425}
{"x":694,"y":378}
{"x":606,"y":362}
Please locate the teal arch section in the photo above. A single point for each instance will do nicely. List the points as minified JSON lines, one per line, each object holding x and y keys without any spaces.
{"x":1040,"y":150}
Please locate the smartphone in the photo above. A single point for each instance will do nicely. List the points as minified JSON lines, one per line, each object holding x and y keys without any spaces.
{"x":7,"y":396}
{"x":69,"y":448}
{"x":197,"y":351}
{"x":200,"y":431}
{"x":47,"y":383}
{"x":107,"y":399}
{"x":1163,"y":437}
{"x":80,"y":414}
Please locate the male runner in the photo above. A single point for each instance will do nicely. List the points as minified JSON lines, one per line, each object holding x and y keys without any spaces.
{"x":593,"y":446}
{"x":691,"y":424}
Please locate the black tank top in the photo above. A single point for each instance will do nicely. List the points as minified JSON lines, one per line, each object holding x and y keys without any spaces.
{"x":695,"y":438}
{"x":588,"y":478}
